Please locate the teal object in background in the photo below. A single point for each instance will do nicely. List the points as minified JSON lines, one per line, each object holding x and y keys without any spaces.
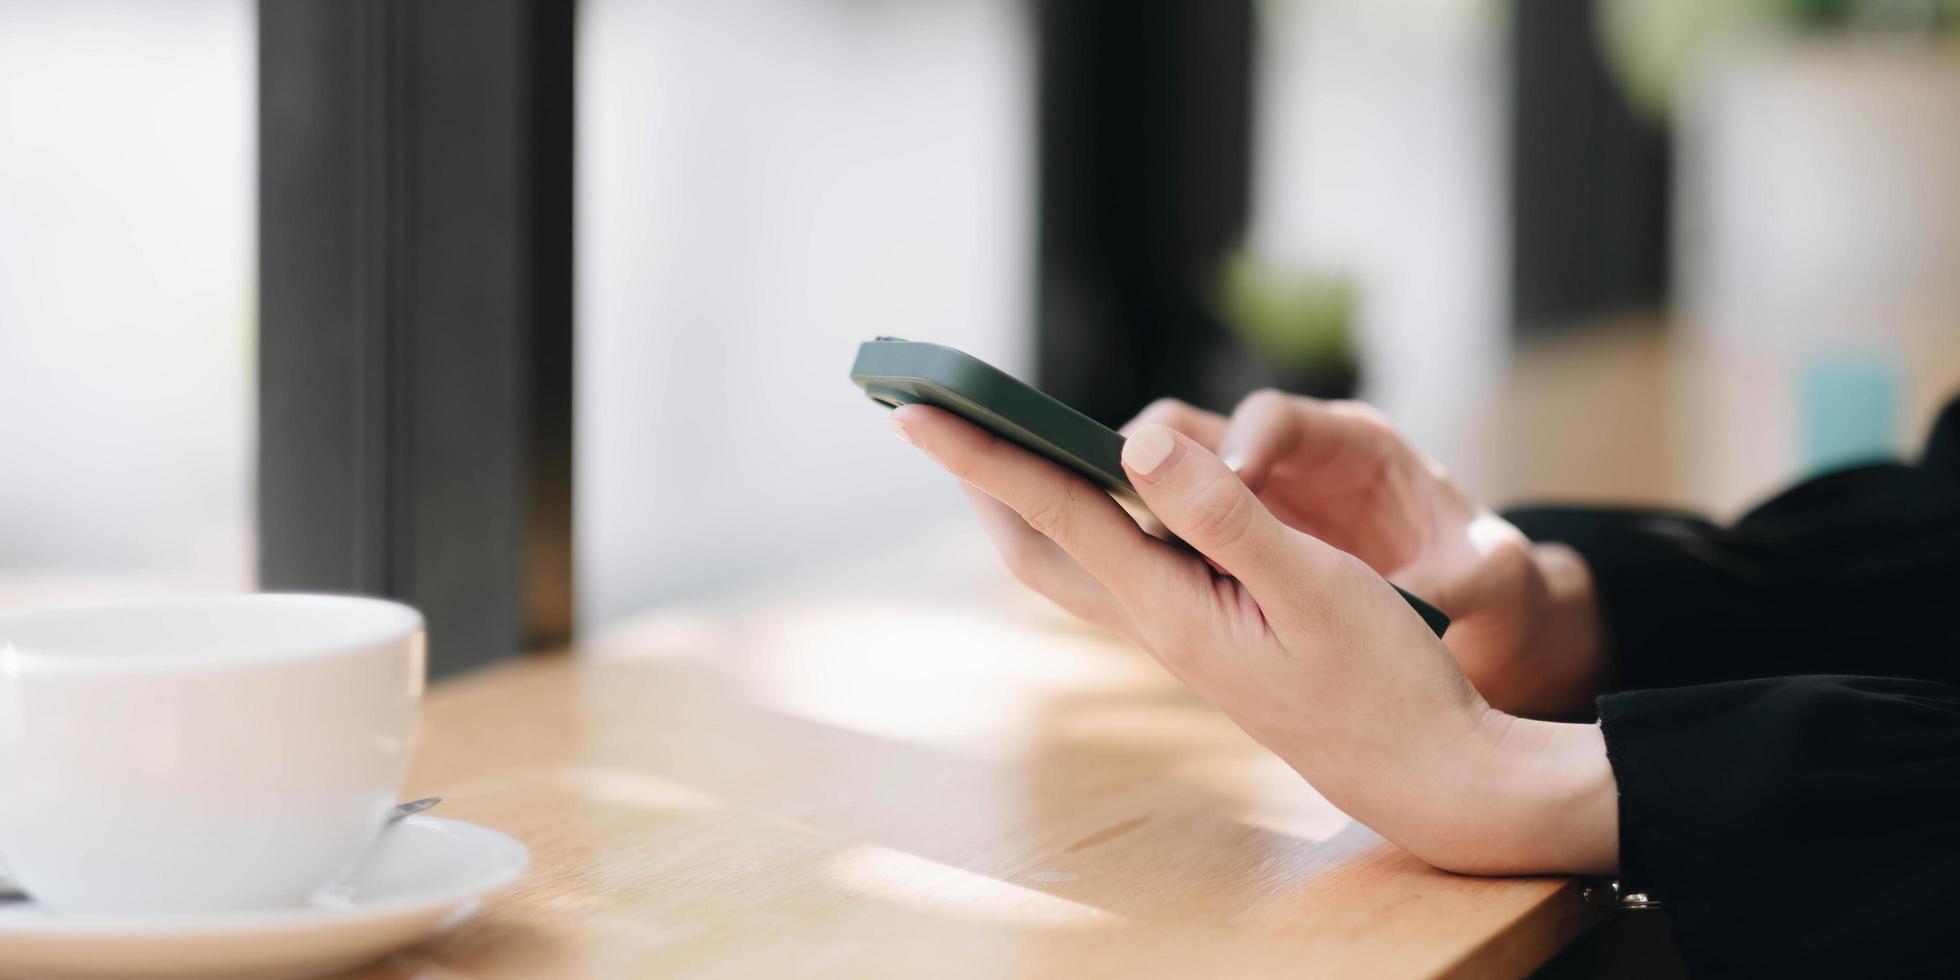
{"x":1850,"y":410}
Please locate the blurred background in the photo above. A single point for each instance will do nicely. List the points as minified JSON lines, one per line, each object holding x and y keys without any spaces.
{"x":1663,"y":252}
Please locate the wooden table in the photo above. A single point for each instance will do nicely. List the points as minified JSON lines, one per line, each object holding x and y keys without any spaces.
{"x":918,"y":774}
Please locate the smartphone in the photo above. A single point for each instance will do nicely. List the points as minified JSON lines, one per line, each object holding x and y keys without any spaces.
{"x":896,"y":372}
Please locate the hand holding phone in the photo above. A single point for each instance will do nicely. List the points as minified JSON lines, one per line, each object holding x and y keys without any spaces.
{"x":897,"y":372}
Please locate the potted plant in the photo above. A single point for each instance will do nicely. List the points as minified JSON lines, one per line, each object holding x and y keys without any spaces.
{"x":1294,"y":327}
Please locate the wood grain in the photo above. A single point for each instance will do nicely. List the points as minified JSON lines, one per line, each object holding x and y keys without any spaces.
{"x":923,"y":779}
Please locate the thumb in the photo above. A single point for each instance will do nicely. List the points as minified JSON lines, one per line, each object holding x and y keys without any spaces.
{"x":1202,"y":501}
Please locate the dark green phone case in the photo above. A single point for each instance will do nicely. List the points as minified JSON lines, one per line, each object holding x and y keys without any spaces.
{"x":898,"y":372}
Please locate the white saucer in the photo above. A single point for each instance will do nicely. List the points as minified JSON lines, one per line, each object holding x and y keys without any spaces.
{"x":426,"y":874}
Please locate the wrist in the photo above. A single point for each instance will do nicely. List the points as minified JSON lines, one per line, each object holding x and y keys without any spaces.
{"x":1567,"y":644}
{"x":1522,"y":797}
{"x":1553,"y":802}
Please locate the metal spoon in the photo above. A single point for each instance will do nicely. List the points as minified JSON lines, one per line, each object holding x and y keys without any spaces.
{"x":10,"y":892}
{"x":412,"y":807}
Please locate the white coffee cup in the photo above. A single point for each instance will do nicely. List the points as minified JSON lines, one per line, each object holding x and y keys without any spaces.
{"x":196,"y":755}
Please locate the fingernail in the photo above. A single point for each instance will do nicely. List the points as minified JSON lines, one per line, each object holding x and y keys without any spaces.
{"x":898,"y":429}
{"x":1233,"y":460}
{"x":1145,"y":451}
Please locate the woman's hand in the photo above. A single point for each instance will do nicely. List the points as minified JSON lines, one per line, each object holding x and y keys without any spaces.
{"x":1301,"y":644}
{"x":1524,"y":626}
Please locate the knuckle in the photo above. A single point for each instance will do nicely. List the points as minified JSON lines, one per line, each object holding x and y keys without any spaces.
{"x":1167,"y":411}
{"x":1221,"y":513}
{"x":1380,"y":442}
{"x":1050,"y":516}
{"x":1264,"y":401}
{"x":1452,"y":487}
{"x":1364,"y":415}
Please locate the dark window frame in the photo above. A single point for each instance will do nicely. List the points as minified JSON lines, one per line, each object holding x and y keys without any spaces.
{"x":415,"y":238}
{"x":1145,"y":131}
{"x":415,"y":352}
{"x":1590,"y":179}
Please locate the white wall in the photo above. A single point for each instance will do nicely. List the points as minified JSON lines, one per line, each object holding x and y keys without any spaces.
{"x":126,"y":290}
{"x":1817,"y":221}
{"x":1381,"y":154}
{"x":762,"y":185}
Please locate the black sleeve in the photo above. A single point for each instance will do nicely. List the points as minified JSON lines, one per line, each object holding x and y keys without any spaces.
{"x":1855,"y":572}
{"x":1801,"y":825}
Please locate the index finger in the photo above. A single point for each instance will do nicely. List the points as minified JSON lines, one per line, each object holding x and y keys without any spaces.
{"x":1269,"y":428}
{"x":1204,"y":428}
{"x":1139,"y":570}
